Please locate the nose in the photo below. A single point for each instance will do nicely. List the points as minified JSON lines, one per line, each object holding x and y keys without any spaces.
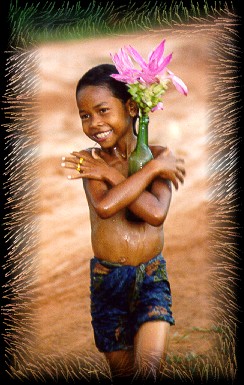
{"x":95,"y":121}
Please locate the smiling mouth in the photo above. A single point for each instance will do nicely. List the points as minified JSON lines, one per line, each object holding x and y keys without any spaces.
{"x":102,"y":135}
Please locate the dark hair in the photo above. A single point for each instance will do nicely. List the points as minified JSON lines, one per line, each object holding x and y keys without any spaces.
{"x":100,"y":76}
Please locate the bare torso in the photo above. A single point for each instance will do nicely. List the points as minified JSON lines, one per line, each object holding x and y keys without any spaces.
{"x":116,"y":239}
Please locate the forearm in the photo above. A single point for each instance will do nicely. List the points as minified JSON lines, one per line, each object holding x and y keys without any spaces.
{"x":146,"y":206}
{"x":126,"y":191}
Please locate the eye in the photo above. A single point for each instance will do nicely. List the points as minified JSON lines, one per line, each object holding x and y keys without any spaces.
{"x":84,"y":116}
{"x":104,"y":110}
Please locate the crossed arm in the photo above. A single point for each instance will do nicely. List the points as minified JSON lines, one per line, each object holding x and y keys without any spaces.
{"x":109,"y":191}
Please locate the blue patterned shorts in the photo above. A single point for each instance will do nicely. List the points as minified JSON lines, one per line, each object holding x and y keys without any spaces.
{"x":123,"y":297}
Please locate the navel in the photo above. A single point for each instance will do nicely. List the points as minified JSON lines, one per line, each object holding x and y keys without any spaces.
{"x":122,"y":260}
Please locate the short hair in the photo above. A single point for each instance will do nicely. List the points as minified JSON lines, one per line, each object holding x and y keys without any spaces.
{"x":100,"y":76}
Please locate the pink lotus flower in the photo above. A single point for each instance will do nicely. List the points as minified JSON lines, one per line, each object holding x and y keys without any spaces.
{"x":151,"y":73}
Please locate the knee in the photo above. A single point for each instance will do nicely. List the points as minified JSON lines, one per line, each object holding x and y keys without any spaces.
{"x":121,"y":365}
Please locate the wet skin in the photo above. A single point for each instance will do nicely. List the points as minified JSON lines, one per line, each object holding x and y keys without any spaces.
{"x":110,"y":192}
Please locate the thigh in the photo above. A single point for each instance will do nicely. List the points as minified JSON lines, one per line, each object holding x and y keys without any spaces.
{"x":153,"y":300}
{"x":110,"y":292}
{"x":151,"y":344}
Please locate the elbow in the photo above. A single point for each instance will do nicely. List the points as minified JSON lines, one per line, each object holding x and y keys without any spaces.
{"x":103,"y":211}
{"x":157,"y":219}
{"x":156,"y":222}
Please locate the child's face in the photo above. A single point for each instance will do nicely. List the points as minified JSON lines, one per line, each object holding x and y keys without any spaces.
{"x":105,"y":119}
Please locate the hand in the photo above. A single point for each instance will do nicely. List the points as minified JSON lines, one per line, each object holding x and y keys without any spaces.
{"x":88,"y":165}
{"x":170,"y":167}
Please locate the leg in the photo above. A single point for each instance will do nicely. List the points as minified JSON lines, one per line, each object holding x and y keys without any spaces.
{"x":151,"y":344}
{"x":121,"y":363}
{"x":109,"y":311}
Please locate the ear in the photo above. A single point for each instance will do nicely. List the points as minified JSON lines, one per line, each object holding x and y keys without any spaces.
{"x":132,"y":107}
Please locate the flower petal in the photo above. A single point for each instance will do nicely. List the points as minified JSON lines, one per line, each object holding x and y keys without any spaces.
{"x":147,"y":77}
{"x":178,"y":83}
{"x":117,"y":61}
{"x":159,"y":106}
{"x":163,"y":63}
{"x":157,"y":53}
{"x":136,"y":56}
{"x":126,"y":60}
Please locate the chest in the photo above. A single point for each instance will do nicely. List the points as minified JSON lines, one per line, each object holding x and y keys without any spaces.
{"x":119,"y":164}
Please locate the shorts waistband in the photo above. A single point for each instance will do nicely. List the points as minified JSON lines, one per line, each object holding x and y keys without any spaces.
{"x":114,"y":265}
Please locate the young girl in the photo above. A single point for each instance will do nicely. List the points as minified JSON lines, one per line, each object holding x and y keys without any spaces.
{"x":130,"y":292}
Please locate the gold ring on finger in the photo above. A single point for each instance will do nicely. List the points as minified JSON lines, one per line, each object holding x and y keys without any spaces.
{"x":78,"y":167}
{"x":81,"y":160}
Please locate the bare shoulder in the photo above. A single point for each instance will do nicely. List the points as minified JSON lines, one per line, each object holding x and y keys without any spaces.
{"x":89,"y":151}
{"x":157,"y":150}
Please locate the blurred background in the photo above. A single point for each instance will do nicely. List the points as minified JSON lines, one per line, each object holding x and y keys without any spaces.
{"x":59,"y":338}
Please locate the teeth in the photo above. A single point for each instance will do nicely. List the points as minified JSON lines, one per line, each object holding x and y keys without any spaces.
{"x":103,"y":134}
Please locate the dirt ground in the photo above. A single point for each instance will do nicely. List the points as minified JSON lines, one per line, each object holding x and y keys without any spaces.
{"x":62,"y":302}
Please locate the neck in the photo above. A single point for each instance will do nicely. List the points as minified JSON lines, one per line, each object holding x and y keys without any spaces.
{"x":125,"y":151}
{"x":124,"y":148}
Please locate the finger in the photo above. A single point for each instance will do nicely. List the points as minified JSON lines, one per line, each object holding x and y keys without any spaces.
{"x":86,"y":168}
{"x":68,"y":159}
{"x":89,"y":175}
{"x":81,"y":154}
{"x":71,"y":177}
{"x":84,"y":175}
{"x":69,"y":166}
{"x":77,"y":153}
